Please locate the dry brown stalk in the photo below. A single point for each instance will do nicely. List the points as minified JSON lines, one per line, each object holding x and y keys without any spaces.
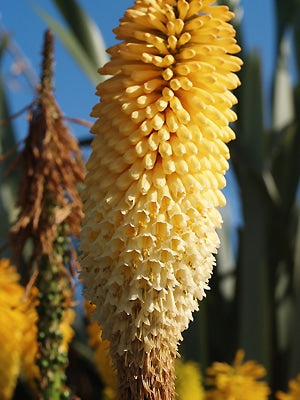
{"x":50,"y":212}
{"x":52,"y":168}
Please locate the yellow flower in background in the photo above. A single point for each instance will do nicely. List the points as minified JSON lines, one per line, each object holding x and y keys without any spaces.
{"x":188,"y":382}
{"x":11,"y":292}
{"x":11,"y":328}
{"x":294,"y":391}
{"x":154,"y":181}
{"x":11,"y":347}
{"x":18,"y":331}
{"x":239,"y":381}
{"x":102,"y":359}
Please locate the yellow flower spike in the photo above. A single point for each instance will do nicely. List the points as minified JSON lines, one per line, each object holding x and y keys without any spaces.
{"x":294,"y":390}
{"x":12,"y":326}
{"x":154,"y":181}
{"x":239,"y":381}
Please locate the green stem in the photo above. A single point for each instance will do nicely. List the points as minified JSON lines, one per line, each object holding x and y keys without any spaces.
{"x":52,"y":362}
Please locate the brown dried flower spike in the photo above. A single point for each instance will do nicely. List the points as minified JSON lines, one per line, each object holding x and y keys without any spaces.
{"x":52,"y":167}
{"x":50,"y":211}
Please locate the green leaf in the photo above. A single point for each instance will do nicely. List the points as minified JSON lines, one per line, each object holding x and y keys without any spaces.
{"x":8,"y":183}
{"x":295,"y":329}
{"x":4,"y":37}
{"x":286,"y":167}
{"x":253,"y":279}
{"x":297,"y":35}
{"x":285,"y":10}
{"x":253,"y":284}
{"x":74,"y":47}
{"x":285,"y":136}
{"x":283,"y":97}
{"x":249,"y":145}
{"x":84,"y":29}
{"x":286,"y":143}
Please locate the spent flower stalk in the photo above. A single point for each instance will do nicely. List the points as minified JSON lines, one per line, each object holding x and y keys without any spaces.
{"x":49,"y":215}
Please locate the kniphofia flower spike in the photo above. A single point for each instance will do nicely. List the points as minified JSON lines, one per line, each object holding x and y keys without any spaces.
{"x":153,"y":182}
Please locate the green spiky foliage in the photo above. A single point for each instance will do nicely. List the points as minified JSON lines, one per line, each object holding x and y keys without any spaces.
{"x":261,"y":312}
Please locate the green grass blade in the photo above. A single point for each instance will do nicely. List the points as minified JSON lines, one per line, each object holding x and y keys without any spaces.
{"x":285,"y":169}
{"x":73,"y":46}
{"x":253,"y":290}
{"x":296,"y":29}
{"x":84,"y":29}
{"x":285,"y":139}
{"x":249,"y":146}
{"x":283,"y":97}
{"x":8,"y":183}
{"x":253,"y":280}
{"x":285,"y":12}
{"x":295,"y":348}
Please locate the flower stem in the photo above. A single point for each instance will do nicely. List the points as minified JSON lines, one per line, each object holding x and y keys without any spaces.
{"x":146,"y":376}
{"x":52,"y":360}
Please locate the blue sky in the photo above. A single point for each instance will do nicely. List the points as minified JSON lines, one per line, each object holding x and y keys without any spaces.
{"x":74,"y":91}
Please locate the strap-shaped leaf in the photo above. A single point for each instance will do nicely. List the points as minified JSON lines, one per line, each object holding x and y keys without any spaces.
{"x":8,"y":183}
{"x":84,"y":29}
{"x":285,"y":11}
{"x":286,"y":133}
{"x":89,"y":66}
{"x":296,"y":29}
{"x":295,"y":348}
{"x":249,"y":146}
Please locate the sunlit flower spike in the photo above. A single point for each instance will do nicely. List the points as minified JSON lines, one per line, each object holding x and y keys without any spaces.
{"x":154,"y":180}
